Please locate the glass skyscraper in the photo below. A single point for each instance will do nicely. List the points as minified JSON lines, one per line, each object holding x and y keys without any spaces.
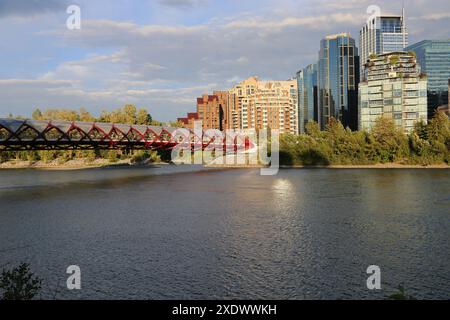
{"x":382,"y":34}
{"x":307,"y":95}
{"x":337,"y":80}
{"x":433,"y":57}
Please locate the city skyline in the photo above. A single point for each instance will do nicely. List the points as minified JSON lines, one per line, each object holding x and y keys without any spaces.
{"x":111,"y":60}
{"x":224,"y":158}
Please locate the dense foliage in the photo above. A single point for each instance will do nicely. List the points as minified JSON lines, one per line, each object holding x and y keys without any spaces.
{"x":19,"y":283}
{"x":427,"y":144}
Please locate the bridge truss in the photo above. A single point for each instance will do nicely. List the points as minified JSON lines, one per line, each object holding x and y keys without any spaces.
{"x":23,"y":135}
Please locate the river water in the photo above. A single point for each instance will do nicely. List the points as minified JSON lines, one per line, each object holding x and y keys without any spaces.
{"x":192,"y":233}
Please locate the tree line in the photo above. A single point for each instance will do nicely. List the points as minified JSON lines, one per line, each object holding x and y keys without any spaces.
{"x":427,"y":144}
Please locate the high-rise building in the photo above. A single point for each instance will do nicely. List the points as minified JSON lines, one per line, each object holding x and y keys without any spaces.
{"x":433,"y":57}
{"x":338,"y":77}
{"x":382,"y":34}
{"x":213,"y":110}
{"x":307,"y":95}
{"x":256,"y":104}
{"x":394,"y":89}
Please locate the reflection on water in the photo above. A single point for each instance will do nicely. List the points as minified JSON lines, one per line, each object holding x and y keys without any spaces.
{"x":186,"y":233}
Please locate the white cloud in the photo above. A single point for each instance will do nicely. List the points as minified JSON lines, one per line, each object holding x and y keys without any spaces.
{"x":164,"y":67}
{"x":315,"y":22}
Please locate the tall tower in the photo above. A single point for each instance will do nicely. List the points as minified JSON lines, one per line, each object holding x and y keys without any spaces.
{"x":382,"y":34}
{"x":307,"y":95}
{"x":338,"y":77}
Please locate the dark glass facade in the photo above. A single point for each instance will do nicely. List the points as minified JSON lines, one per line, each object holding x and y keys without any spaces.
{"x":433,"y":57}
{"x":338,"y":78}
{"x":307,"y":95}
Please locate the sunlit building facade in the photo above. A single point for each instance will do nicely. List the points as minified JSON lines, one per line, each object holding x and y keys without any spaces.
{"x":189,"y":121}
{"x":256,"y":104}
{"x":213,"y":110}
{"x":394,"y":89}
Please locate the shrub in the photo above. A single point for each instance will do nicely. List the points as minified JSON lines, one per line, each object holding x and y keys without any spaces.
{"x":19,"y":283}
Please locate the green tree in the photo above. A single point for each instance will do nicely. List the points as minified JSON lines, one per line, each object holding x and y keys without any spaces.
{"x":130,"y":114}
{"x":143,"y":117}
{"x":438,"y":129}
{"x":392,"y":143}
{"x":19,"y":283}
{"x":60,"y":114}
{"x":312,"y":129}
{"x":420,"y":129}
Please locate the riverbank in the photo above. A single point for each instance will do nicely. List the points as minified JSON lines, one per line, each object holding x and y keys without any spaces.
{"x":69,"y":165}
{"x":105,"y":163}
{"x":370,"y":166}
{"x":377,"y":166}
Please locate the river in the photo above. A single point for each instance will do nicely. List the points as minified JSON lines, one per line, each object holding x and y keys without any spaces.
{"x":191,"y":233}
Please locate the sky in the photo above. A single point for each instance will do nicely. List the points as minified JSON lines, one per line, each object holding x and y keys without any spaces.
{"x":162,"y":54}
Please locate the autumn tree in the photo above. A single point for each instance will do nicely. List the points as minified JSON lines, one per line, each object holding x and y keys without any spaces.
{"x":37,"y":114}
{"x":143,"y":117}
{"x":84,"y":115}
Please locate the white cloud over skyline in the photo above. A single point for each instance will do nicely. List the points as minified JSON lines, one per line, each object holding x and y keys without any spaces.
{"x":163,"y":64}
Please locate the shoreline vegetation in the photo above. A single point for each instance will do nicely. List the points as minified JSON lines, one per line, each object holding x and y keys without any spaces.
{"x":77,"y":164}
{"x":104,"y":163}
{"x":428,"y":144}
{"x":385,"y":146}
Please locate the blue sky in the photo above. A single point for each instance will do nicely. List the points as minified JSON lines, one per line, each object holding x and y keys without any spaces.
{"x":161,"y":54}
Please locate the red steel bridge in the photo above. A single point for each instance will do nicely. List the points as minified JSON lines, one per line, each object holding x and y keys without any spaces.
{"x":21,"y":135}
